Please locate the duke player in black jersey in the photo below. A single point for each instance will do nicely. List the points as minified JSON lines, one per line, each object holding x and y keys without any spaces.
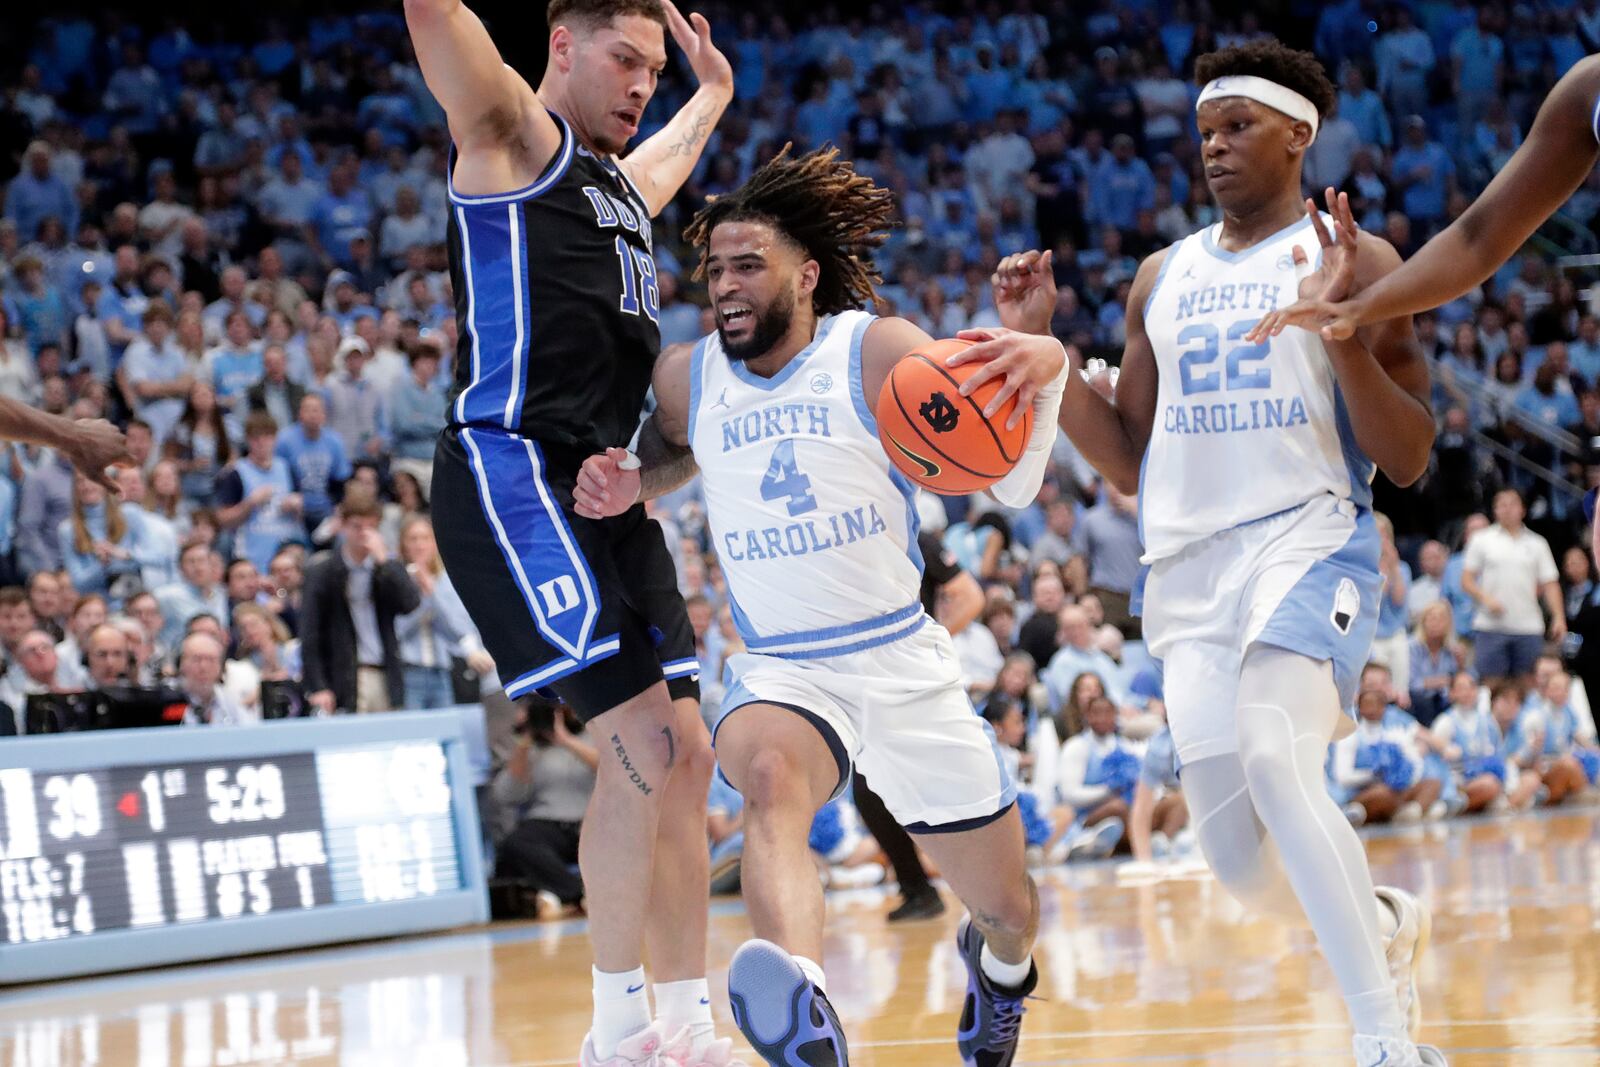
{"x":557,"y":307}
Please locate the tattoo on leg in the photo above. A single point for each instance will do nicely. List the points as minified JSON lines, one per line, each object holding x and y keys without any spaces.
{"x":672,"y":747}
{"x":627,"y":766}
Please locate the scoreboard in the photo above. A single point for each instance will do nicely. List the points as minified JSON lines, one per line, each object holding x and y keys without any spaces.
{"x":131,"y":848}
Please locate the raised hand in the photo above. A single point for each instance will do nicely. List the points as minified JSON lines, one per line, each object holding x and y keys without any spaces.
{"x":607,"y":484}
{"x":1027,"y":361}
{"x":1324,"y":296}
{"x":95,"y":445}
{"x":1025,"y":291}
{"x":693,"y":35}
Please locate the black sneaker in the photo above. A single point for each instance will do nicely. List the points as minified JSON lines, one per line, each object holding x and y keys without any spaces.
{"x":786,"y":1018}
{"x":991,"y":1020}
{"x":925,"y":905}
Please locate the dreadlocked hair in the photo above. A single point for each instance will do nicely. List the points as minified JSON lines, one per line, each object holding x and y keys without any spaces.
{"x":1275,"y":61}
{"x":819,"y":202}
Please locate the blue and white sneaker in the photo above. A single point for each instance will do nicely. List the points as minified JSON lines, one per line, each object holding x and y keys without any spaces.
{"x":1396,"y":1052}
{"x":786,"y":1019}
{"x":991,"y":1018}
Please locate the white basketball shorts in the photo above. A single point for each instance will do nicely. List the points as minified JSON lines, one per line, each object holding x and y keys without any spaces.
{"x":898,"y":712}
{"x":1305,"y":580}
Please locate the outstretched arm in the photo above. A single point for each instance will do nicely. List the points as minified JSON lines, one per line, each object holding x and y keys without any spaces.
{"x":1549,"y":167}
{"x":660,"y":166}
{"x":611,"y":483}
{"x":487,"y":105}
{"x":91,"y":445}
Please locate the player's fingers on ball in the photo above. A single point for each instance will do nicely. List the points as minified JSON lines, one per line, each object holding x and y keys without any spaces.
{"x":1025,"y":397}
{"x":995,"y":367}
{"x":1008,"y":389}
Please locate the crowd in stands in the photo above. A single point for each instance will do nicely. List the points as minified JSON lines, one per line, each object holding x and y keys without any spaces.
{"x":228,"y":237}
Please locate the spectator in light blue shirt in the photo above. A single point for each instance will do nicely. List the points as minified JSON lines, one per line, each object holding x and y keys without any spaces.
{"x":233,"y":367}
{"x":1078,"y":655}
{"x":316,"y":457}
{"x":98,"y":545}
{"x":1478,"y":68}
{"x":1461,"y":605}
{"x":342,"y":210}
{"x":416,"y":409}
{"x":1552,"y":406}
{"x":37,"y":194}
{"x":1584,"y":353}
{"x":1364,"y":108}
{"x":1121,"y":189}
{"x":1424,"y":170}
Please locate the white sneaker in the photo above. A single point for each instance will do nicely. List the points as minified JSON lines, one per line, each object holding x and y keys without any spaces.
{"x":1356,"y":814}
{"x":1396,"y":1052}
{"x":1185,"y":843}
{"x":715,"y":1053}
{"x":1499,"y":805}
{"x":1160,"y":845}
{"x":862,"y":877}
{"x":1436,"y":811}
{"x":650,"y":1047}
{"x":1405,"y":949}
{"x":1408,"y":813}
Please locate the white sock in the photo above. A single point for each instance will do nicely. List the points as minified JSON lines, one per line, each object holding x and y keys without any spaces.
{"x":1003,"y":974}
{"x":620,"y":1009}
{"x":686,"y":1003}
{"x":812,"y":970}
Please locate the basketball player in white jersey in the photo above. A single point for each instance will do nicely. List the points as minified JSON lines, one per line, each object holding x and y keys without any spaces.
{"x":817,"y":533}
{"x":1253,"y":464}
{"x":1555,"y":160}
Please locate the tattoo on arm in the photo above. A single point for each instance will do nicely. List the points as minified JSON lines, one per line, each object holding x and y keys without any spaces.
{"x":663,"y":466}
{"x":672,"y":747}
{"x":691,"y":139}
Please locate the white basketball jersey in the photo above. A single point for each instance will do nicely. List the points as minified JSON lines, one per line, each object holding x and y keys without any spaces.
{"x":816,"y":531}
{"x":1241,"y":431}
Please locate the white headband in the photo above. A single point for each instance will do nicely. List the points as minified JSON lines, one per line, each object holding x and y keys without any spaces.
{"x":1277,"y":97}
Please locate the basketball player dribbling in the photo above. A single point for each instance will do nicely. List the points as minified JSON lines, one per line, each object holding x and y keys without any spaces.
{"x":1555,"y":160}
{"x":1253,"y":464}
{"x":557,"y":308}
{"x":817,"y":534}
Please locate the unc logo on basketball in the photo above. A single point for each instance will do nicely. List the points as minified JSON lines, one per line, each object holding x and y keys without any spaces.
{"x":939,"y":413}
{"x":560,"y":595}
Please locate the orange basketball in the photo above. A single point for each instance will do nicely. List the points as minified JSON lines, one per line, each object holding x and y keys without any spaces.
{"x":939,"y":438}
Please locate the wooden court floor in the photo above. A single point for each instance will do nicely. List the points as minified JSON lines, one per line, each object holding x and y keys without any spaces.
{"x":1164,"y":972}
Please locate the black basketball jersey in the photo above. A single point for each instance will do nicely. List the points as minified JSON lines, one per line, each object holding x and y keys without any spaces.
{"x":556,"y":304}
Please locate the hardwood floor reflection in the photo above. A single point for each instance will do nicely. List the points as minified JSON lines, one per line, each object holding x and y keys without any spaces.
{"x":1168,"y":971}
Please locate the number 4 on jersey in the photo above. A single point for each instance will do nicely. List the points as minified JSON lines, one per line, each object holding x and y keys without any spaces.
{"x":784,"y":480}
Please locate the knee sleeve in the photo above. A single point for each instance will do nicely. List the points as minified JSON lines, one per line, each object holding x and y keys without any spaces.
{"x":1234,"y":841}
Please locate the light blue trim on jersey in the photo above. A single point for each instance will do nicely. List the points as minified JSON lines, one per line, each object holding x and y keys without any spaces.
{"x":697,"y":371}
{"x":858,"y":399}
{"x":1172,"y":253}
{"x":681,"y":668}
{"x":1008,"y":784}
{"x":827,"y":652}
{"x":1144,"y":464}
{"x":1210,"y":245}
{"x":522,"y":523}
{"x":790,"y":369}
{"x":554,"y":172}
{"x":1356,"y":462}
{"x":834,"y":633}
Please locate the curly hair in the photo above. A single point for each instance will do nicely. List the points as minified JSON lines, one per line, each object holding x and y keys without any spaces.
{"x":1275,"y":61}
{"x":818,"y":201}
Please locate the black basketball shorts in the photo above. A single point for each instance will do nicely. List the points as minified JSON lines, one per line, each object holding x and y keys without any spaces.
{"x":586,"y":610}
